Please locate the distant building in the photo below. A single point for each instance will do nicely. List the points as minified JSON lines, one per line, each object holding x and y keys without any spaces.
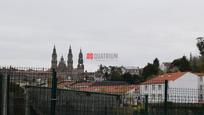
{"x":201,"y":86}
{"x":165,"y":66}
{"x":132,"y":70}
{"x":66,"y":71}
{"x":183,"y":87}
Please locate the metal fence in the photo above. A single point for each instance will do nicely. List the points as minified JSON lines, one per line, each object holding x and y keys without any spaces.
{"x":33,"y":91}
{"x":71,"y":102}
{"x":14,"y":82}
{"x":1,"y":94}
{"x":36,"y":91}
{"x":165,"y":100}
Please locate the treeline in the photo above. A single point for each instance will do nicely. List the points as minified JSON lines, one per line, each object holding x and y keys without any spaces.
{"x":194,"y":64}
{"x":197,"y":62}
{"x":113,"y":73}
{"x":183,"y":64}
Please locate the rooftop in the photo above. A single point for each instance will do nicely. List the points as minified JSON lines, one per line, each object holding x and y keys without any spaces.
{"x":100,"y":87}
{"x":161,"y":78}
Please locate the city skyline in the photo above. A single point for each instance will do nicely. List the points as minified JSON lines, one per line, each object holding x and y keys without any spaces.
{"x":138,"y":31}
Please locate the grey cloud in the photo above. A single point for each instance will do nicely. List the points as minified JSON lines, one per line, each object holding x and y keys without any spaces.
{"x":138,"y":30}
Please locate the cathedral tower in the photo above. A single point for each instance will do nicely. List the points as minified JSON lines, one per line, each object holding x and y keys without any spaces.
{"x":62,"y":65}
{"x":80,"y":65}
{"x":70,"y":61}
{"x":54,"y":59}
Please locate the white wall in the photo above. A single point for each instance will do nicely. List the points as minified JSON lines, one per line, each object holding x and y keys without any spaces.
{"x":182,"y":90}
{"x":188,"y":80}
{"x":201,"y":88}
{"x":153,"y":95}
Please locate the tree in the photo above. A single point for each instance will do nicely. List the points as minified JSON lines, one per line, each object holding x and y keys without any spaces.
{"x":156,"y":66}
{"x":137,"y":78}
{"x":194,"y":64}
{"x":200,"y":64}
{"x":128,"y":78}
{"x":200,"y":45}
{"x":116,"y":74}
{"x":148,"y":71}
{"x":151,"y":69}
{"x":200,"y":61}
{"x":182,"y":64}
{"x":156,"y":63}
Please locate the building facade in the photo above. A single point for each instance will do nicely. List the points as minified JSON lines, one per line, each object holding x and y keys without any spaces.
{"x":132,"y":70}
{"x":183,"y":87}
{"x":67,"y":71}
{"x":165,"y":66}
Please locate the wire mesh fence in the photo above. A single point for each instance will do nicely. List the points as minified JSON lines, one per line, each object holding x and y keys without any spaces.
{"x":167,"y":99}
{"x":1,"y":94}
{"x":29,"y":92}
{"x":14,"y":81}
{"x":71,"y":102}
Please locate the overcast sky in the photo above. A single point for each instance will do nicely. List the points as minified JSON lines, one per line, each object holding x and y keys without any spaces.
{"x":138,"y":30}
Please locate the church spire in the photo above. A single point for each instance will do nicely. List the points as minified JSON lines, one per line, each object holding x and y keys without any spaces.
{"x":70,"y":49}
{"x":70,"y":60}
{"x":62,"y":59}
{"x":54,"y":59}
{"x":80,"y":60}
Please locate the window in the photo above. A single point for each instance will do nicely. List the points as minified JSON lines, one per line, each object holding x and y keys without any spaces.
{"x":159,"y":87}
{"x":201,"y":96}
{"x":153,"y":87}
{"x":146,"y":87}
{"x":201,"y":78}
{"x":159,"y":96}
{"x":153,"y":97}
{"x":201,"y":87}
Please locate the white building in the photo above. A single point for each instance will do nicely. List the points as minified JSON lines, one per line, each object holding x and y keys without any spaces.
{"x":132,"y":70}
{"x":165,"y":66}
{"x":182,"y":87}
{"x":201,"y":86}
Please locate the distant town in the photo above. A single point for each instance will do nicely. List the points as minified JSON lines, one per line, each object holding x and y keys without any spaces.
{"x":101,"y":57}
{"x":65,"y":89}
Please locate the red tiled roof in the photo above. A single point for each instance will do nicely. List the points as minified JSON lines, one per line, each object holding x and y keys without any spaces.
{"x":73,"y":84}
{"x":64,"y":84}
{"x":110,"y":89}
{"x":83,"y":84}
{"x":97,"y":87}
{"x":162,"y":78}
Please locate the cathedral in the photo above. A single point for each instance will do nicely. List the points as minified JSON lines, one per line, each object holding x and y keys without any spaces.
{"x":66,"y":71}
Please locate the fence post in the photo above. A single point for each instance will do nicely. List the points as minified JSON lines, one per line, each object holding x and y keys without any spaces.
{"x":106,"y":112}
{"x":8,"y":96}
{"x":165,"y":97}
{"x":4,"y":94}
{"x":53,"y":92}
{"x":146,"y":105}
{"x":1,"y":93}
{"x":27,"y":104}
